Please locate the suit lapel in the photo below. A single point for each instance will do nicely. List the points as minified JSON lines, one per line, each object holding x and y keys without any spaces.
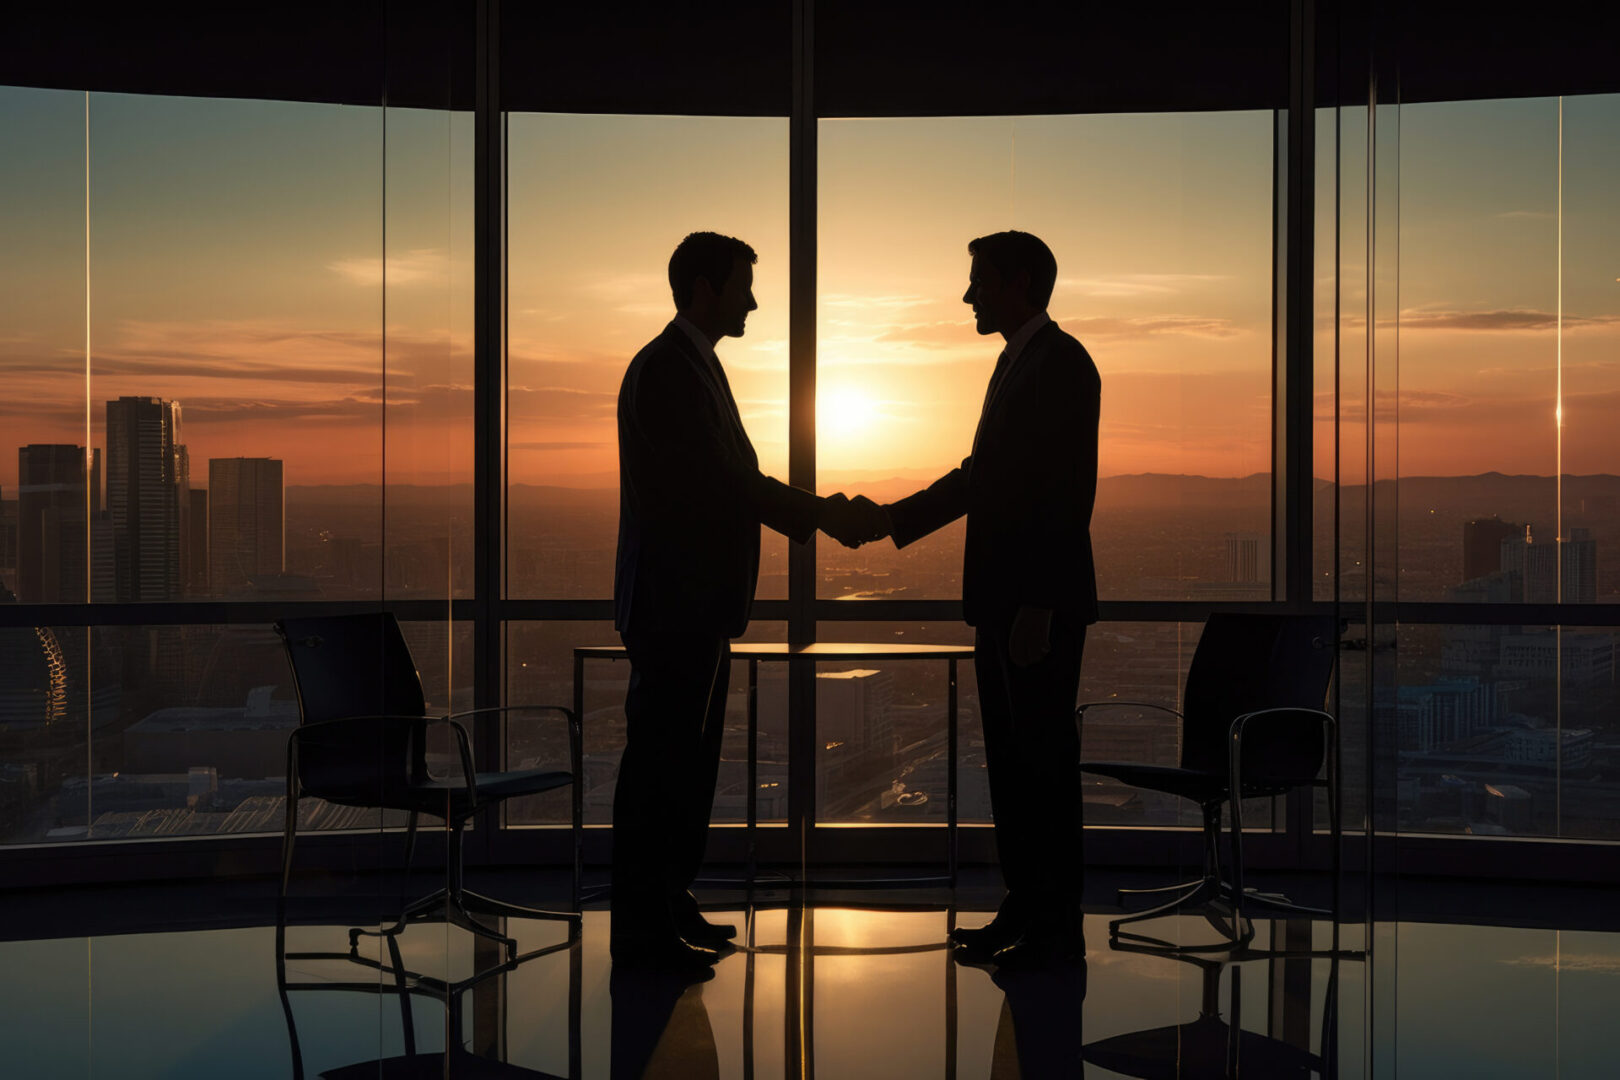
{"x":714,"y":377}
{"x":1007,"y":375}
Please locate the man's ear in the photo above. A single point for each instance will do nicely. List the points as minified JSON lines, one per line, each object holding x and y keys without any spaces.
{"x":703,"y":292}
{"x":1021,"y":284}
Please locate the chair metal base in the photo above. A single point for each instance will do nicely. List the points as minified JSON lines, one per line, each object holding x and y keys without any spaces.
{"x":452,"y":906}
{"x":1209,"y":896}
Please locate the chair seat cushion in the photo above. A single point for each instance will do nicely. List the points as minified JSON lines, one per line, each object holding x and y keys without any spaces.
{"x":492,"y":787}
{"x":1194,"y":784}
{"x":1187,"y":783}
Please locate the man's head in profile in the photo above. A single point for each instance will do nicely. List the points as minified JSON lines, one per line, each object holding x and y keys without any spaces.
{"x":712,"y":279}
{"x":1010,"y":281}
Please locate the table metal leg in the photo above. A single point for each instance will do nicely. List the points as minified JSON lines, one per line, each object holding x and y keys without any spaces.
{"x":753,"y":765}
{"x":951,"y":747}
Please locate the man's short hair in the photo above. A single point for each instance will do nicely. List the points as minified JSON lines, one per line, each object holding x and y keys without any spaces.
{"x":706,"y":255}
{"x":1012,"y":251}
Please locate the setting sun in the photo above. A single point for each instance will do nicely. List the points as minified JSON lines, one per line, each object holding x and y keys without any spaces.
{"x":845,"y":413}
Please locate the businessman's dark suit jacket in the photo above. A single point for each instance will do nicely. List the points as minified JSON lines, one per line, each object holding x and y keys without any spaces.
{"x":691,"y":497}
{"x":1027,"y":490}
{"x":691,"y":502}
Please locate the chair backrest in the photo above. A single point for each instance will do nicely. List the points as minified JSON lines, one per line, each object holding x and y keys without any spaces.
{"x":1245,"y":663}
{"x":356,"y":666}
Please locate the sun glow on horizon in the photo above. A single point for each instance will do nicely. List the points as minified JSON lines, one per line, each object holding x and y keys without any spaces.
{"x":845,"y":415}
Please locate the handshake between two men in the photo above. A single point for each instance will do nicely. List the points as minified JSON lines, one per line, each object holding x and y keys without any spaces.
{"x":853,"y":522}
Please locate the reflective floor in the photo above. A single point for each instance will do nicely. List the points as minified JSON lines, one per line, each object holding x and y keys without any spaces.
{"x":825,"y":989}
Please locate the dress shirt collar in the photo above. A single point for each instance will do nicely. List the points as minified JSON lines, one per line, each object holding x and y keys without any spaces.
{"x":703,"y":347}
{"x":1016,"y":343}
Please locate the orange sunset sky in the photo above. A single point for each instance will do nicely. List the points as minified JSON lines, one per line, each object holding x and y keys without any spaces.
{"x":285,"y":269}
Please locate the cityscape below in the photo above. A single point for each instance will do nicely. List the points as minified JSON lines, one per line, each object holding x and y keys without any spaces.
{"x":180,"y":730}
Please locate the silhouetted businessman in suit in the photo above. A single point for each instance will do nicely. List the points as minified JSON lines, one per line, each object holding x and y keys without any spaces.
{"x":1029,"y":588}
{"x":691,"y":502}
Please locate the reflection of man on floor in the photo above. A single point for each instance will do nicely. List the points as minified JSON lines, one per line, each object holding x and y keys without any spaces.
{"x":691,"y":501}
{"x":660,"y":1027}
{"x":1029,"y":588}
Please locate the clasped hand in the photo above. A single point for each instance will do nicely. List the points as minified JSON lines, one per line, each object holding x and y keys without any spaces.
{"x":853,"y":522}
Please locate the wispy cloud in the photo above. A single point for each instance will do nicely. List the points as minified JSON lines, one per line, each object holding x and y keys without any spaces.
{"x":930,"y":334}
{"x":1151,"y":326}
{"x":1538,"y":214}
{"x":1595,"y":963}
{"x":547,"y":447}
{"x":410,"y":268}
{"x":893,"y":302}
{"x":1122,"y":286}
{"x":1499,"y":319}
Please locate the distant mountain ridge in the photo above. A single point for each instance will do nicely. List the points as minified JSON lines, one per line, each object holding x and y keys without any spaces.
{"x":1521,"y":496}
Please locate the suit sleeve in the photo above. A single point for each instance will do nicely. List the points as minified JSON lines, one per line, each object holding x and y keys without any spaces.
{"x":935,"y":506}
{"x":674,"y":414}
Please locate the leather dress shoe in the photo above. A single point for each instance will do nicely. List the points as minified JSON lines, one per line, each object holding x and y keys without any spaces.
{"x":666,"y":954}
{"x":709,"y":935}
{"x":692,"y":926}
{"x":978,"y":944}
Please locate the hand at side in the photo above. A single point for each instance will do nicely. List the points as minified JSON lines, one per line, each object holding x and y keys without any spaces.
{"x":1031,"y":636}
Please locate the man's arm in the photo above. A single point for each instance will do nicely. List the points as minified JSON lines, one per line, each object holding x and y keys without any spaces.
{"x":937,"y":505}
{"x":674,"y":413}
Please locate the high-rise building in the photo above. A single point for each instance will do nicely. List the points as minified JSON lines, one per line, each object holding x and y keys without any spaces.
{"x":197,"y":571}
{"x":245,"y":522}
{"x":148,"y":497}
{"x":1482,"y":545}
{"x":55,"y":492}
{"x":8,"y":545}
{"x":1248,"y":558}
{"x":1558,"y":571}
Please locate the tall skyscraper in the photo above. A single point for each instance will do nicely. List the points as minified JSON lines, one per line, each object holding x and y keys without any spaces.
{"x":197,"y":571}
{"x":1554,"y":571}
{"x":55,"y":492}
{"x":148,"y":496}
{"x":1482,"y":545}
{"x":245,"y":522}
{"x":8,"y":548}
{"x":1248,"y":558}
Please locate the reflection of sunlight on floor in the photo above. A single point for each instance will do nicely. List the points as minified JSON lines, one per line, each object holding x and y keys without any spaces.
{"x":875,"y":995}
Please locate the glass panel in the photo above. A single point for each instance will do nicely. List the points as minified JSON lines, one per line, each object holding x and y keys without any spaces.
{"x":428,"y":355}
{"x":597,"y":205}
{"x":49,"y":701}
{"x":881,"y":731}
{"x":1501,"y":730}
{"x":1174,"y":307}
{"x":43,"y":523}
{"x":236,"y":337}
{"x":1479,"y":351}
{"x":540,"y":670}
{"x":1588,"y":342}
{"x":904,"y":704}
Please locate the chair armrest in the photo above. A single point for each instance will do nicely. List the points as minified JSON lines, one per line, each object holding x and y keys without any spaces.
{"x":463,"y":744}
{"x":1080,"y":709}
{"x":575,"y":734}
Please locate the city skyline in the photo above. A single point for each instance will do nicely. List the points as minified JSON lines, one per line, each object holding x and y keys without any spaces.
{"x":238,"y":256}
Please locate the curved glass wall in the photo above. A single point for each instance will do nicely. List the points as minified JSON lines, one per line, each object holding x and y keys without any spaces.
{"x":240,"y":338}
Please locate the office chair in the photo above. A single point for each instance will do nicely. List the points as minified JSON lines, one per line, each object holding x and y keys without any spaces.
{"x":393,"y":977}
{"x":1251,"y":723}
{"x":362,"y":741}
{"x":1210,"y":1046}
